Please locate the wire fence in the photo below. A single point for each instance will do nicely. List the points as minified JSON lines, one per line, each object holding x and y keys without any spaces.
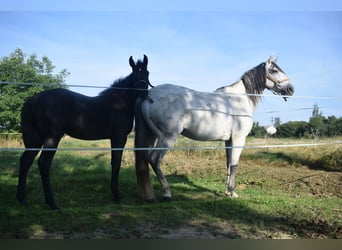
{"x":119,"y":88}
{"x":13,"y":149}
{"x":339,"y":142}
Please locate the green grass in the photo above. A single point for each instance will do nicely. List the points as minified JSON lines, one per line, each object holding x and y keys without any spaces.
{"x":283,"y":194}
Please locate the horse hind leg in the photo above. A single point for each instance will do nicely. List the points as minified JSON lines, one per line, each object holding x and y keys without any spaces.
{"x":155,"y":161}
{"x":156,"y":158}
{"x":32,"y":141}
{"x":26,"y":161}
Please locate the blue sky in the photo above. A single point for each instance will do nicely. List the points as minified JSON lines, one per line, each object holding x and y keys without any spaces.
{"x":202,"y":49}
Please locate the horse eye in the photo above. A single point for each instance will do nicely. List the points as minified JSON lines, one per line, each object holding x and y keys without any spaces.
{"x":274,"y":70}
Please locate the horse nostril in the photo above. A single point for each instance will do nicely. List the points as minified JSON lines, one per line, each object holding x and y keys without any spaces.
{"x":290,"y":90}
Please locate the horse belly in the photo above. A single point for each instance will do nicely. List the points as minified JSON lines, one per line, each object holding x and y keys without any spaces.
{"x":89,"y":128}
{"x":207,"y":126}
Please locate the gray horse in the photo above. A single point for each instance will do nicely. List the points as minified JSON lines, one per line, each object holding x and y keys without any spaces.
{"x":224,"y":115}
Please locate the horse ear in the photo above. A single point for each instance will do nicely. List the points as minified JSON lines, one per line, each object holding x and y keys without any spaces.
{"x":131,"y":62}
{"x":273,"y":58}
{"x":145,"y":61}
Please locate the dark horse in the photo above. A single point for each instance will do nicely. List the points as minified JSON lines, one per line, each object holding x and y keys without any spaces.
{"x":49,"y":115}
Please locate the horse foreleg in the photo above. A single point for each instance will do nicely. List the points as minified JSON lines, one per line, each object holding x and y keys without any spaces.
{"x":116,"y":163}
{"x":231,"y":181}
{"x":44,"y":163}
{"x":26,"y":161}
{"x":118,"y":142}
{"x":233,"y":155}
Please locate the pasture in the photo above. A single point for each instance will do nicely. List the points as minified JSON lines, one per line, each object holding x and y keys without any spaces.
{"x":284,"y":193}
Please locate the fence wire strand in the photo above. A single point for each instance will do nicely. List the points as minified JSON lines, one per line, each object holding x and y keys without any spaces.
{"x":119,"y":88}
{"x":172,"y":148}
{"x":178,"y":148}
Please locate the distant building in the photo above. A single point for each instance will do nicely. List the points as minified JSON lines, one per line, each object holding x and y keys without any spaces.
{"x":271,"y":130}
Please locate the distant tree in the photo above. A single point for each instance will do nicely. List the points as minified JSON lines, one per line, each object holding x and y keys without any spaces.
{"x":257,"y":131}
{"x":322,"y":126}
{"x":335,"y":126}
{"x":332,"y":126}
{"x":20,"y":68}
{"x":315,"y":111}
{"x":318,"y":122}
{"x":317,"y":126}
{"x":276,"y":122}
{"x":294,"y":129}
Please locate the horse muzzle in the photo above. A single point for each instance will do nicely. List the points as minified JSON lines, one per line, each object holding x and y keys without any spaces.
{"x":286,"y":90}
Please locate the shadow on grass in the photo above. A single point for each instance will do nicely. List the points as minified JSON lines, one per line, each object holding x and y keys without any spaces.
{"x":82,"y":188}
{"x":237,"y":210}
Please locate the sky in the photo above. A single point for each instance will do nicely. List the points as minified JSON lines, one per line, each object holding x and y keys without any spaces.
{"x":203,"y":47}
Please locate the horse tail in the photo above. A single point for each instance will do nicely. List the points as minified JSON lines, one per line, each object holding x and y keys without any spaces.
{"x":144,"y":139}
{"x":29,"y":128}
{"x":27,"y":121}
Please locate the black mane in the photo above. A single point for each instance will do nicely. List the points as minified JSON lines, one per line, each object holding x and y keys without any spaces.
{"x":254,"y":81}
{"x":121,"y":83}
{"x":124,"y":83}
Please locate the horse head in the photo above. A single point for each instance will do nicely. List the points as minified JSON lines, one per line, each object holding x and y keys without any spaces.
{"x":140,"y":73}
{"x":276,"y":79}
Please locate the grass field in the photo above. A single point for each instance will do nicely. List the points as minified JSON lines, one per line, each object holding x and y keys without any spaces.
{"x":284,"y":193}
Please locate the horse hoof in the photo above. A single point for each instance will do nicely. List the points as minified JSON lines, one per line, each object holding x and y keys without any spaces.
{"x":117,"y":200}
{"x":24,"y":204}
{"x":152,"y":200}
{"x":54,"y":207}
{"x":235,"y":195}
{"x":231,"y":194}
{"x":167,"y":199}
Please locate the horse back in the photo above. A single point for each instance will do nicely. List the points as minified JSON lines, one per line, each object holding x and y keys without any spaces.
{"x":197,"y":115}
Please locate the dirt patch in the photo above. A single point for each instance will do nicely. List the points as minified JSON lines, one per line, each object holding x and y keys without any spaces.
{"x":318,"y":229}
{"x":184,"y":232}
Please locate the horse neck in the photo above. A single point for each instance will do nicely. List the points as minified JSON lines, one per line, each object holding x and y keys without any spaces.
{"x":121,"y":91}
{"x":235,"y":88}
{"x":254,"y":81}
{"x":123,"y":83}
{"x":238,"y":89}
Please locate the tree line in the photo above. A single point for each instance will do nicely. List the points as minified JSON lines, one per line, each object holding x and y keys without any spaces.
{"x":22,"y":68}
{"x":318,"y":126}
